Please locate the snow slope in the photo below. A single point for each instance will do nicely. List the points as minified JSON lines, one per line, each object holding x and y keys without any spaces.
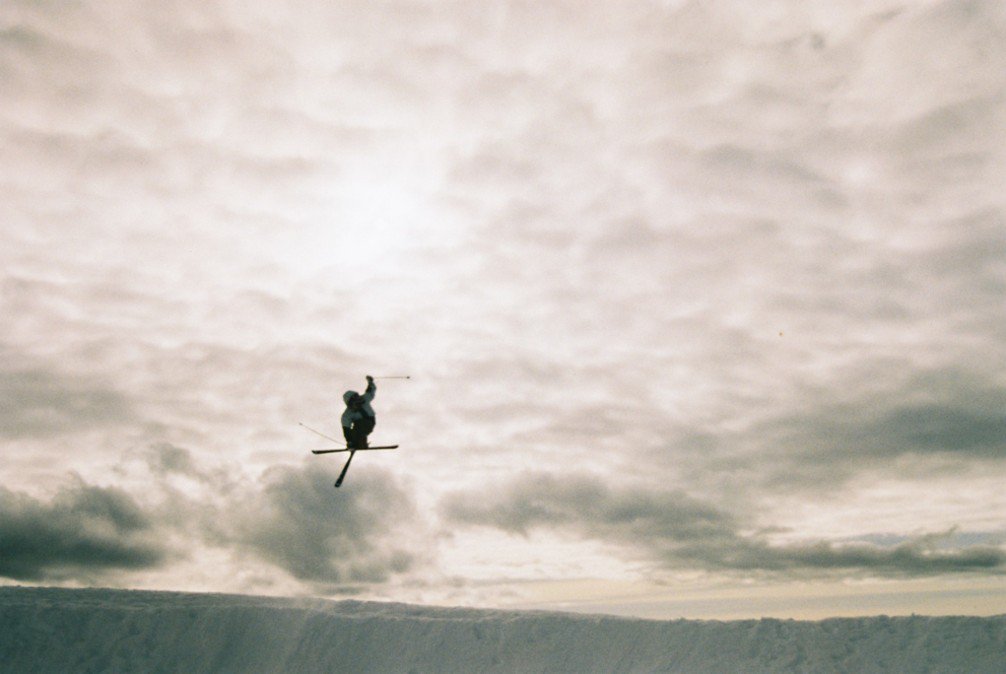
{"x":61,"y":630}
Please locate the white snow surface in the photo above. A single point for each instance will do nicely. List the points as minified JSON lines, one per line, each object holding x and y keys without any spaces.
{"x":97,"y":630}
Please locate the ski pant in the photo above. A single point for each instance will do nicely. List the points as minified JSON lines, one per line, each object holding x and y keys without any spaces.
{"x":356,"y":435}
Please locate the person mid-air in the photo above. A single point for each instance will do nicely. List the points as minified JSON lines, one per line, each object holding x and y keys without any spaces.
{"x":359,"y":419}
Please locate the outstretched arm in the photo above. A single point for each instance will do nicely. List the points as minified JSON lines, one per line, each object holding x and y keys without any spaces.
{"x":371,"y":391}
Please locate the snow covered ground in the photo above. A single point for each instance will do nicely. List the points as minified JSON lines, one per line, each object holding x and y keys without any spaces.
{"x":62,"y":630}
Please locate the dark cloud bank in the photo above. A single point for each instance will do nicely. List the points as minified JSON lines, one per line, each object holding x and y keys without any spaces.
{"x":903,"y":424}
{"x":83,"y":531}
{"x":327,"y":539}
{"x":680,"y":532}
{"x":365,"y":535}
{"x":943,"y":420}
{"x":292,"y":519}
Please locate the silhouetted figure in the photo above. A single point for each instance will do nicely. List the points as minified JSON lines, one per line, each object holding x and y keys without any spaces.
{"x":359,"y":418}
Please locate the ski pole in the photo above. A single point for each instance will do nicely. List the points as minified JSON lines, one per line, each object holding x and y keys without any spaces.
{"x":327,"y":437}
{"x":398,"y":377}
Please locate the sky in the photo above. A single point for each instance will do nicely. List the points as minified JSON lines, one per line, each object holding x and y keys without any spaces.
{"x":701,"y":301}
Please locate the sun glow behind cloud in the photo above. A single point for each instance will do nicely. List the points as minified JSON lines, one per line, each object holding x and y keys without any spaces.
{"x":363,"y":223}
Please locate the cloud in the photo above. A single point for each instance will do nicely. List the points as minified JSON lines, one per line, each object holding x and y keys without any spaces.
{"x":678,"y":531}
{"x":880,"y":420}
{"x":359,"y":534}
{"x":164,"y":459}
{"x":288,"y":520}
{"x":42,"y":402}
{"x":915,"y":557}
{"x":291,"y":518}
{"x":537,"y":499}
{"x":942,"y":428}
{"x":945,"y":418}
{"x":83,"y":531}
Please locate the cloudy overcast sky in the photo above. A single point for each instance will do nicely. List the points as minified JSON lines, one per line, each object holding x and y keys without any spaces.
{"x":702,"y":301}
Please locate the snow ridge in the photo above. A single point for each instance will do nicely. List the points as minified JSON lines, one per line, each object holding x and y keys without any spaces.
{"x":64,"y":630}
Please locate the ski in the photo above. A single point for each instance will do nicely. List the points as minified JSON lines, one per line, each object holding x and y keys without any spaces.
{"x":355,"y":449}
{"x":352,"y":451}
{"x":342,"y":475}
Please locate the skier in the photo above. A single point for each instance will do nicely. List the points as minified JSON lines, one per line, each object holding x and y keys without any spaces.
{"x":359,"y":418}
